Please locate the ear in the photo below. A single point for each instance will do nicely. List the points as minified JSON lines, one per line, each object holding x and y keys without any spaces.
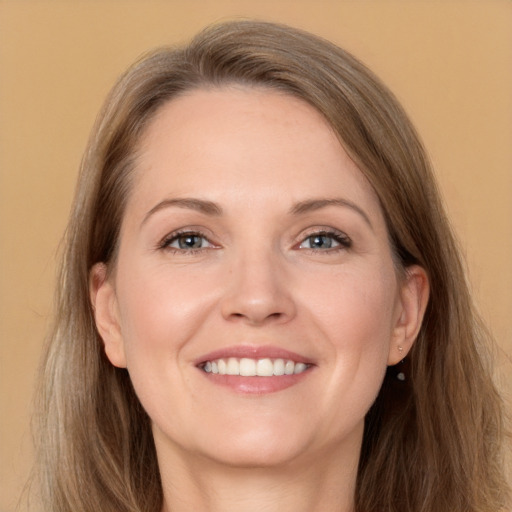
{"x":106,"y":316}
{"x":413,"y":300}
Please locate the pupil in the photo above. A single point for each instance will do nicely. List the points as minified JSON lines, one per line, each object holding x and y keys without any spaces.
{"x":321,"y":241}
{"x":190,"y":242}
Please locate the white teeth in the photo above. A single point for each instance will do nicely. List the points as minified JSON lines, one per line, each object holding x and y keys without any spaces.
{"x":299,"y":368}
{"x":221,"y":365}
{"x":247,"y":367}
{"x":233,"y":367}
{"x":278,"y":367}
{"x":264,"y":368}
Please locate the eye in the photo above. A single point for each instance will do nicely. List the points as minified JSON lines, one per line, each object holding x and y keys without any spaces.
{"x":186,"y":241}
{"x":325,"y":240}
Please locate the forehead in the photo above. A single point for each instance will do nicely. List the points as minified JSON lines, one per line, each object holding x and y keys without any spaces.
{"x":219,"y":113}
{"x":244,"y":140}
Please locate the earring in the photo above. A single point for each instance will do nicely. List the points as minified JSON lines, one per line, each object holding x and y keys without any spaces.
{"x":400,"y":375}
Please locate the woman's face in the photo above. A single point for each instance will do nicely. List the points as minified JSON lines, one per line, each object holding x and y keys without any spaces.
{"x":251,"y":246}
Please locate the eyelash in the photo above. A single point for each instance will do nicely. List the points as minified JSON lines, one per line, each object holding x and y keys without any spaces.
{"x":165,"y":244}
{"x":343,"y":241}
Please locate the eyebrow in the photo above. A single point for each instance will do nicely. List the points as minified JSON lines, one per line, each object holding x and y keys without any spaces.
{"x":213,"y":209}
{"x":312,"y":205}
{"x":189,"y":203}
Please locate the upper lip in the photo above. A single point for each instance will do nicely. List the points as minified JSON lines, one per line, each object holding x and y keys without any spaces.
{"x":253,"y":352}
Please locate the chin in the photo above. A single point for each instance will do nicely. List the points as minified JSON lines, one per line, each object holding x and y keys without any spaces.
{"x":262,"y":447}
{"x":256,"y":456}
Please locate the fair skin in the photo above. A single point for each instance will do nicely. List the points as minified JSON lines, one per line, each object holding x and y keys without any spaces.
{"x":250,"y":234}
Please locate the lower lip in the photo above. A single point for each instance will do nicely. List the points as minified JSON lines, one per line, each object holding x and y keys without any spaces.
{"x":256,"y":385}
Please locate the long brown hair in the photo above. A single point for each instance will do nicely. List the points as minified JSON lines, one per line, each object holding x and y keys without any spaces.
{"x":432,"y":443}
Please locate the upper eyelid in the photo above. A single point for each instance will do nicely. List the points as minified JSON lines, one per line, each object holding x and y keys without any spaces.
{"x":324,"y":230}
{"x":180,"y":232}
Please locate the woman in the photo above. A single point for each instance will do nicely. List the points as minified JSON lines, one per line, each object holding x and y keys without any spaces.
{"x":261,"y":304}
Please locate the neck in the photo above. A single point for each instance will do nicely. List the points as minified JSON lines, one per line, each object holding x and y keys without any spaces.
{"x":196,"y":483}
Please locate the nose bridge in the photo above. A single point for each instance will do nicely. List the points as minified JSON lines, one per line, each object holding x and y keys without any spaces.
{"x":257,"y":290}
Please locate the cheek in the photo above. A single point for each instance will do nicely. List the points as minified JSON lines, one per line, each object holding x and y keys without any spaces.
{"x":165,"y":309}
{"x":357,"y":308}
{"x":357,"y":322}
{"x":159,"y":310}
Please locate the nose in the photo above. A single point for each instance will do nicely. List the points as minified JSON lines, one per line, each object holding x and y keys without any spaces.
{"x":258,"y":291}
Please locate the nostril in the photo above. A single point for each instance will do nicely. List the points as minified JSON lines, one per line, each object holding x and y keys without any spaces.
{"x":257,"y":302}
{"x":255,"y":319}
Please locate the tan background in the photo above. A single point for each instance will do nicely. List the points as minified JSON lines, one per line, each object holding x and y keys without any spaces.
{"x":449,"y":62}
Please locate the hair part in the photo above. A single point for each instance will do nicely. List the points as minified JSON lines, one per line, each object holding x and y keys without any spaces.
{"x":431,"y":443}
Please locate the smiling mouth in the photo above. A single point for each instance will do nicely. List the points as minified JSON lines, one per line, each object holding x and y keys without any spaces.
{"x":247,"y":367}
